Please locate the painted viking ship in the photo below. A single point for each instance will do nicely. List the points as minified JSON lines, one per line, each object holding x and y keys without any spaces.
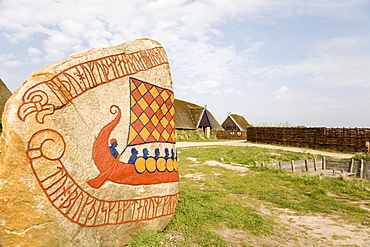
{"x":151,"y":120}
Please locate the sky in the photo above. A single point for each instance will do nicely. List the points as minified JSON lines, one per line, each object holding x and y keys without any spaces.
{"x":276,"y":62}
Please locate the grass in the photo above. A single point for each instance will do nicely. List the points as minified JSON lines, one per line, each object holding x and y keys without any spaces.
{"x":243,"y":155}
{"x":226,"y":199}
{"x":191,"y":135}
{"x":362,"y":156}
{"x":307,"y":194}
{"x":149,"y":238}
{"x":304,"y":147}
{"x":203,"y":140}
{"x":199,"y":212}
{"x":214,"y":209}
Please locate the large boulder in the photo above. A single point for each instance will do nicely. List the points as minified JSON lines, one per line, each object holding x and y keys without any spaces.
{"x":88,"y":150}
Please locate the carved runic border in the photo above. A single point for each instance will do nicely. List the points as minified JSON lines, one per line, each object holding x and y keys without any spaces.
{"x":46,"y":97}
{"x":45,"y":151}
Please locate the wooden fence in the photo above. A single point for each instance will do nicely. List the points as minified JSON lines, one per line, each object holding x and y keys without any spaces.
{"x":296,"y":166}
{"x":231,"y":135}
{"x":339,"y":139}
{"x":359,"y":168}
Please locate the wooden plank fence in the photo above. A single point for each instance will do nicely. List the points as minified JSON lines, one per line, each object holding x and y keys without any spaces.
{"x":297,"y":165}
{"x":339,"y":139}
{"x":359,"y":168}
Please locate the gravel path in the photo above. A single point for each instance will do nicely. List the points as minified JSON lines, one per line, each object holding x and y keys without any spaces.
{"x":243,"y":143}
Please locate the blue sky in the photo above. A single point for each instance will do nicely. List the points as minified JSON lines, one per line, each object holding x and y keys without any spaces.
{"x":274,"y":61}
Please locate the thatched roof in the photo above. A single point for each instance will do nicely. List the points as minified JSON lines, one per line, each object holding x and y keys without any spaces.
{"x":235,"y":122}
{"x":192,"y":116}
{"x":4,"y":96}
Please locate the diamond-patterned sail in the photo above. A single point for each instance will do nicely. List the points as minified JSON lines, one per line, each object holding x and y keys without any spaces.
{"x":152,"y":114}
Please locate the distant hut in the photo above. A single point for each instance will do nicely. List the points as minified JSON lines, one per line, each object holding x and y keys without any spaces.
{"x":189,"y":116}
{"x":4,"y":96}
{"x":235,"y":122}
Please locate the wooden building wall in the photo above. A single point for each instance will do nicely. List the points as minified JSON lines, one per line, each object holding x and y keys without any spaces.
{"x":229,"y":124}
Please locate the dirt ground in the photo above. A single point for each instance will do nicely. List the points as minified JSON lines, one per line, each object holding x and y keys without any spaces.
{"x":298,"y":230}
{"x":243,"y":143}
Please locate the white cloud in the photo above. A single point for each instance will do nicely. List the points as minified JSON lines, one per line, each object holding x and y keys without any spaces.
{"x":205,"y":68}
{"x":57,"y":45}
{"x":338,"y":62}
{"x":9,"y":61}
{"x":222,"y":92}
{"x":333,"y":71}
{"x":73,"y":28}
{"x":12,"y":64}
{"x":35,"y":60}
{"x":103,"y":23}
{"x":32,"y":52}
{"x":288,"y":94}
{"x":340,"y":46}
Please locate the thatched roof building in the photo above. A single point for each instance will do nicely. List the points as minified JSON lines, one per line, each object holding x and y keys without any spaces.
{"x":4,"y":96}
{"x":191,"y":116}
{"x":235,"y":122}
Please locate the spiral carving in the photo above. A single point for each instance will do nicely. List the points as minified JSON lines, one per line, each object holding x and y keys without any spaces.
{"x":46,"y":143}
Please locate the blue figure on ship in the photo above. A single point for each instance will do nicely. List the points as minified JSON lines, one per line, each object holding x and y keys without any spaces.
{"x":133,"y":156}
{"x":112,"y":148}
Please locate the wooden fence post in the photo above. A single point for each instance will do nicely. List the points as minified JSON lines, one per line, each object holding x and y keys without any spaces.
{"x":362,"y":169}
{"x":280,"y":165}
{"x":306,"y":165}
{"x":350,"y":170}
{"x":314,"y":164}
{"x":293,"y":168}
{"x":323,"y":163}
{"x":366,"y":170}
